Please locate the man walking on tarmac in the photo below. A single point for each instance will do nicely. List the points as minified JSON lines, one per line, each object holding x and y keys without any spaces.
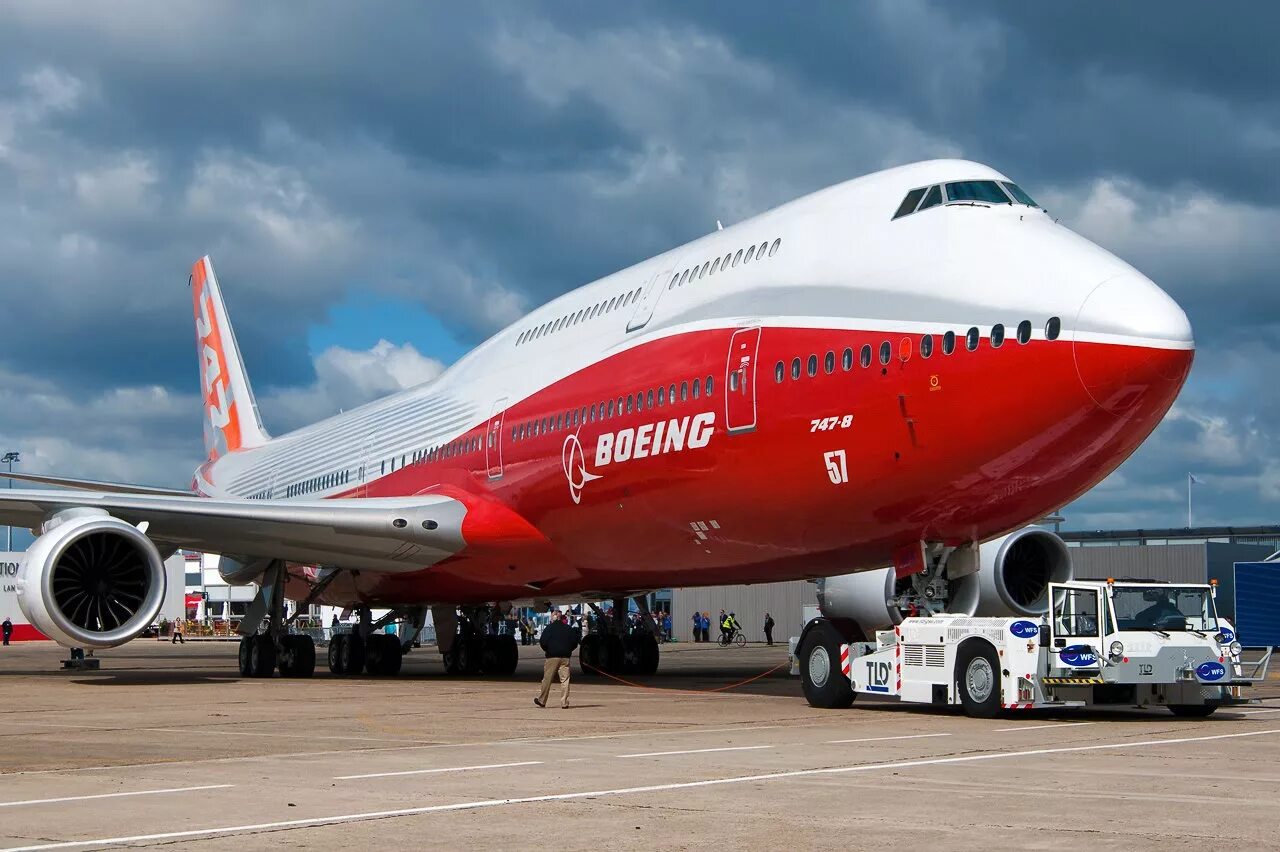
{"x":768,"y":628}
{"x":558,"y":642}
{"x":7,"y":627}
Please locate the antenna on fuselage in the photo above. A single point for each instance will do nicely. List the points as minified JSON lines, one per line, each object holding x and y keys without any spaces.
{"x":719,"y":227}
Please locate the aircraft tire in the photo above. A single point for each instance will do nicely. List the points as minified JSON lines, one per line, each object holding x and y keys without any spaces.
{"x":351,"y":654}
{"x":648,"y":656}
{"x":373,"y":654}
{"x":246,"y":644}
{"x":501,"y":655}
{"x":262,"y":657}
{"x":335,"y":652}
{"x":589,"y":655}
{"x":300,"y":657}
{"x":611,"y":656}
{"x":823,"y":683}
{"x":383,"y":655}
{"x":450,"y":659}
{"x":977,"y":677}
{"x":392,"y":657}
{"x":466,"y":656}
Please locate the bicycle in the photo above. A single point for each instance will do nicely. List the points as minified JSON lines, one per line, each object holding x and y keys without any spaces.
{"x":735,"y":637}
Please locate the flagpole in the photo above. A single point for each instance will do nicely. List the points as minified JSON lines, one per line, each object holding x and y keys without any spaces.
{"x":1189,"y":480}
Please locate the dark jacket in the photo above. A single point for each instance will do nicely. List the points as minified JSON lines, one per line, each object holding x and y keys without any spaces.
{"x":559,"y":639}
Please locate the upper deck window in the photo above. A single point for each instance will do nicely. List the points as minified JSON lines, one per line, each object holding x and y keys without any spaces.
{"x":1018,"y":194}
{"x":980,"y":191}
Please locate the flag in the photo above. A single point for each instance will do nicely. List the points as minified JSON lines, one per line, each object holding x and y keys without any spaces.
{"x":1191,"y":477}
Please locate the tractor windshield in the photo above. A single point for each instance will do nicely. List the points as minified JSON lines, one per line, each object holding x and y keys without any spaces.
{"x":1168,"y":608}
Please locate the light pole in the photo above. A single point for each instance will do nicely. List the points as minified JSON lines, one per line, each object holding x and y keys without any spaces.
{"x":9,"y":459}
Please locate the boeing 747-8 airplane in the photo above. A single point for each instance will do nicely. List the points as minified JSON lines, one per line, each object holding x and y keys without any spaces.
{"x":891,"y":372}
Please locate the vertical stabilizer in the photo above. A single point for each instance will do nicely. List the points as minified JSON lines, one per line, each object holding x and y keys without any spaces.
{"x":231,"y":420}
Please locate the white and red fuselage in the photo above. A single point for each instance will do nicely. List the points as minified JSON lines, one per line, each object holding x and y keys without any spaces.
{"x":704,"y":418}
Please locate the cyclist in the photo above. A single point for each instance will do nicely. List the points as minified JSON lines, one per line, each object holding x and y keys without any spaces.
{"x":729,"y":628}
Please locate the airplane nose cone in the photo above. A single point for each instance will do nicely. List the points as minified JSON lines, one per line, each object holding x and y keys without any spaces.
{"x":1133,"y":343}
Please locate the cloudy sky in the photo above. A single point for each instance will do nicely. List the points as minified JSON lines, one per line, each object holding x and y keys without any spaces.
{"x":383,"y":185}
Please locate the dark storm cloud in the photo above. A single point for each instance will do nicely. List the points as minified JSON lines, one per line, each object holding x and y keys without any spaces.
{"x":481,"y":161}
{"x":1167,"y":94}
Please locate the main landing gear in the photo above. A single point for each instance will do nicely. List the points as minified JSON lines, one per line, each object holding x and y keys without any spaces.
{"x":466,"y":649}
{"x":376,"y":654}
{"x":261,"y":654}
{"x":619,"y":648}
{"x":366,"y":649}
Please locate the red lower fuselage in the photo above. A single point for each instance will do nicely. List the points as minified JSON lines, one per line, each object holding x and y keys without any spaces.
{"x":954,"y":448}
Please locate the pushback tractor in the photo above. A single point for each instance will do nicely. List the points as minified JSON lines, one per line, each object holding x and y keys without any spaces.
{"x":1101,"y":644}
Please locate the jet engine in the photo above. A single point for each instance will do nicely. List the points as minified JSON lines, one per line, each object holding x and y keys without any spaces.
{"x":91,"y":580}
{"x":1007,"y":576}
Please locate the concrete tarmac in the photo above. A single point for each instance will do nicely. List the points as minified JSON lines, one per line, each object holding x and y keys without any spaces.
{"x":167,"y":746}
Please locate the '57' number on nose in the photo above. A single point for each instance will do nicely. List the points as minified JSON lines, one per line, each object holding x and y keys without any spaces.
{"x":837,"y":468}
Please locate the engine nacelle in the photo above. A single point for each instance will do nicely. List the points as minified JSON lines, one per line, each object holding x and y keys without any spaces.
{"x":91,"y":580}
{"x":1011,"y":577}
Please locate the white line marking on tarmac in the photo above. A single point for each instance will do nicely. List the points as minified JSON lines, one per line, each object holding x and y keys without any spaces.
{"x":1041,"y":727}
{"x":879,"y":739}
{"x":622,"y":791}
{"x":433,"y":771}
{"x":115,"y":795}
{"x":1255,"y":712}
{"x":694,"y":751}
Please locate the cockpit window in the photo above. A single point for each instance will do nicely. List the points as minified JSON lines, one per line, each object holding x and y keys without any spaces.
{"x":980,"y":191}
{"x":932,"y":199}
{"x":1017,"y":193}
{"x":909,"y":203}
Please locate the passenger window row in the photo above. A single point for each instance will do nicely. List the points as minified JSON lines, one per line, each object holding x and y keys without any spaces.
{"x":568,"y":320}
{"x":732,"y":259}
{"x":318,"y":483}
{"x":947,"y":344}
{"x":970,"y":192}
{"x":456,"y":447}
{"x":711,"y":267}
{"x":644,"y":400}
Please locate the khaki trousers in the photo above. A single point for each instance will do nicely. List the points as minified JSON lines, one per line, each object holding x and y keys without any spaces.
{"x":549,"y":669}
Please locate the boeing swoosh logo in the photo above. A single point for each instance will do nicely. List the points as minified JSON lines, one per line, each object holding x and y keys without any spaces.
{"x":574,"y":461}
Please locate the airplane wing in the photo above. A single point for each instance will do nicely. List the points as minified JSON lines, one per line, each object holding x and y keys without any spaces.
{"x":393,"y":534}
{"x":92,"y":484}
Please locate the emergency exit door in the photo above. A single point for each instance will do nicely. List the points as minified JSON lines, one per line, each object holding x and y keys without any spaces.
{"x":740,"y":380}
{"x":493,"y":439}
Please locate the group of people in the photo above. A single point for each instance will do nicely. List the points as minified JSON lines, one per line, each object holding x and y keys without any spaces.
{"x":729,"y":627}
{"x":660,"y":623}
